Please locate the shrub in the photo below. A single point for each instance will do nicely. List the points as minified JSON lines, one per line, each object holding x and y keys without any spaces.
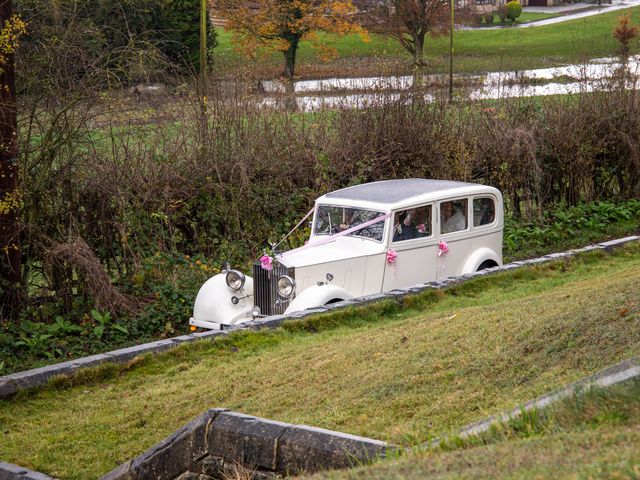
{"x":144,"y":186}
{"x":503,"y":13}
{"x":488,"y":18}
{"x":625,"y":32}
{"x":476,"y":20}
{"x":514,"y":10}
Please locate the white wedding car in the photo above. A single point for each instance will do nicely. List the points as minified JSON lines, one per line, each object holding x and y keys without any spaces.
{"x":365,"y":239}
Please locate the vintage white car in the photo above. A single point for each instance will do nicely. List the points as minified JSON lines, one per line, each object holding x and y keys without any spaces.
{"x":365,"y":239}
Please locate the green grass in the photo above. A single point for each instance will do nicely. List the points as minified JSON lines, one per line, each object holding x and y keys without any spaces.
{"x":591,"y":435}
{"x":475,"y":50}
{"x":525,"y":17}
{"x":400,"y":373}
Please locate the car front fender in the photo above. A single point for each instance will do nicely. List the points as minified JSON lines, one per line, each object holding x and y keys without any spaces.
{"x":214,"y":306}
{"x":316,"y":296}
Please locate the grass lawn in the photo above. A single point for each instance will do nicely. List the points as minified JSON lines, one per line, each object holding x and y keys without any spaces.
{"x":475,"y":50}
{"x":610,"y":452}
{"x":403,"y":374}
{"x":595,"y":435}
{"x":527,"y":17}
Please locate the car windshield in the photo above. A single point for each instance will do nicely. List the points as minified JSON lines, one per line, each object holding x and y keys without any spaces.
{"x":331,"y":220}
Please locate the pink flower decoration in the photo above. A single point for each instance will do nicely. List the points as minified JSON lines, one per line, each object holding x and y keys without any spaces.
{"x":422,"y":228}
{"x":392,"y":256}
{"x":266,"y":262}
{"x":443,"y":248}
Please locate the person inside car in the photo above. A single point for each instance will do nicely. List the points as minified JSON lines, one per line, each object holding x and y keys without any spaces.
{"x":452,"y":217}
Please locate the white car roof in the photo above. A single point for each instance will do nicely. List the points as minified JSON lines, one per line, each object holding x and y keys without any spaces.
{"x":394,"y":194}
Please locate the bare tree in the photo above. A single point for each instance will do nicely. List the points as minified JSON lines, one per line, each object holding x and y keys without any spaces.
{"x":409,"y":22}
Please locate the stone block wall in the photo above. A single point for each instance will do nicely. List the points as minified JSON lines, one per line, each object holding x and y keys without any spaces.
{"x":219,"y":442}
{"x":9,"y":471}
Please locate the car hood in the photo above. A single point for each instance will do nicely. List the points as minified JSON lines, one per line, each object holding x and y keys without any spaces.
{"x":339,"y":249}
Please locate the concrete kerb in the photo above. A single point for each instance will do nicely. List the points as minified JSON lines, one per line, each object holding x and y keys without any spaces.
{"x":38,"y":377}
{"x":11,"y":384}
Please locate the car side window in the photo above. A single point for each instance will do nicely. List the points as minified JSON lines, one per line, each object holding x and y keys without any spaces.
{"x":412,"y":223}
{"x":453,"y":216}
{"x":484,"y":211}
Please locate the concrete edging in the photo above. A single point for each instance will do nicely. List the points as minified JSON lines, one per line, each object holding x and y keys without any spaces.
{"x":12,"y":383}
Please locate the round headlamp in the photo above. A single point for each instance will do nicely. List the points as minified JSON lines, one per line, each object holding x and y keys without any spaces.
{"x":286,"y":286}
{"x":235,"y":279}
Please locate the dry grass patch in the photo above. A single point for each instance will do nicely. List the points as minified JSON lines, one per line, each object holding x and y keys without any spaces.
{"x":400,"y":374}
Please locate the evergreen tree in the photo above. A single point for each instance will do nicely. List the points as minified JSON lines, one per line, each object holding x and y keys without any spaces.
{"x":181,"y":33}
{"x":172,"y":26}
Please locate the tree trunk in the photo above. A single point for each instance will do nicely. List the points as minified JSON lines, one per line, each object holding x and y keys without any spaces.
{"x":290,"y":57}
{"x":10,"y":292}
{"x":418,"y":55}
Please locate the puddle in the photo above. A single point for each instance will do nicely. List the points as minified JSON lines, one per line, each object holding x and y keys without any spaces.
{"x":312,"y":103}
{"x":342,"y":84}
{"x":581,"y":78}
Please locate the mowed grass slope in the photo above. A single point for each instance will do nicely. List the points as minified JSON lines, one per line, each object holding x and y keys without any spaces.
{"x":595,"y":434}
{"x":477,"y":50}
{"x":402,"y":374}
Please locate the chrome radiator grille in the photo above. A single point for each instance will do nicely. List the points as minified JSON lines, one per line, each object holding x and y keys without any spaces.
{"x":265,"y":293}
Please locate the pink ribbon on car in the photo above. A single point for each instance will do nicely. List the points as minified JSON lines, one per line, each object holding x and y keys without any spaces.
{"x":331,"y":238}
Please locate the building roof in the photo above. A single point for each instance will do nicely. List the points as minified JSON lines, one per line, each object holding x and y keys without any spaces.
{"x":395,"y":191}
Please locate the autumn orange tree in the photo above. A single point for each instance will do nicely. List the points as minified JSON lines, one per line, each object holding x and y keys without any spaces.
{"x":282,"y":24}
{"x":625,"y":32}
{"x":409,"y":22}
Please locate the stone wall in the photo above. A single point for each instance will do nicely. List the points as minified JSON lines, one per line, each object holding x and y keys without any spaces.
{"x":220,"y":443}
{"x":8,"y":471}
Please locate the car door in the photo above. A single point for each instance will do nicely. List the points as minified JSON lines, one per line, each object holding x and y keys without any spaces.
{"x":454,"y":232}
{"x":414,"y":243}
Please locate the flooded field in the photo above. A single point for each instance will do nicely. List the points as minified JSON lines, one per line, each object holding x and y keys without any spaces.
{"x":310,"y":95}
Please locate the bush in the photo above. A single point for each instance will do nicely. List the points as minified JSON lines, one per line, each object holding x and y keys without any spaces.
{"x":509,"y":11}
{"x":514,"y":10}
{"x":488,"y":18}
{"x":562,"y":225}
{"x":145,"y":186}
{"x":503,"y":13}
{"x":476,"y":20}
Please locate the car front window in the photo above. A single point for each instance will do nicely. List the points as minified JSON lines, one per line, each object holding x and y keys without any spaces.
{"x":331,"y":220}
